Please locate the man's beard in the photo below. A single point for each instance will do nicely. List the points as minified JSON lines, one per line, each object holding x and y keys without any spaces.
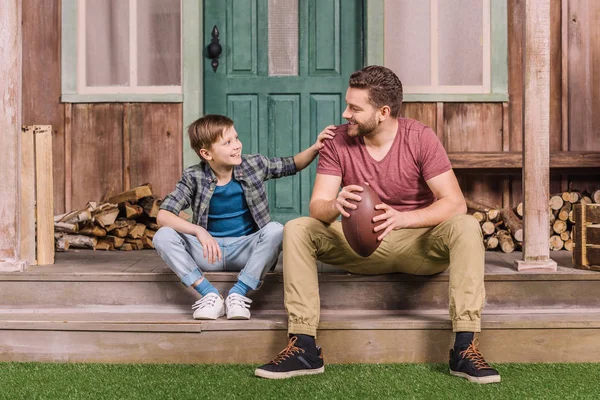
{"x":366,"y":128}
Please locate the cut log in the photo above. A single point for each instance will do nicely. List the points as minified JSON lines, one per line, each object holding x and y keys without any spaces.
{"x":114,"y":240}
{"x":147,"y":242}
{"x":129,"y":210}
{"x":480,"y":216}
{"x":566,"y":235}
{"x":569,"y":244}
{"x":551,"y":216}
{"x":65,"y":227}
{"x":126,"y":247}
{"x":513,"y":223}
{"x":62,"y":244}
{"x":151,"y":225}
{"x":103,"y":245}
{"x":76,"y":216}
{"x":490,"y":242}
{"x":121,"y":223}
{"x":137,"y":231}
{"x":137,"y":244}
{"x":519,"y":210}
{"x":107,"y":217}
{"x":559,"y":226}
{"x":494,"y":215}
{"x":574,"y":196}
{"x":556,"y":243}
{"x":79,"y":241}
{"x":566,"y":196}
{"x":596,"y":196}
{"x":132,"y":195}
{"x":563,"y":213}
{"x":586,"y":200}
{"x":120,"y":232}
{"x":488,"y":228}
{"x":556,"y":202}
{"x":476,"y":206}
{"x":571,"y":217}
{"x":151,"y":206}
{"x":92,"y":230}
{"x":149,"y":233}
{"x":506,"y":241}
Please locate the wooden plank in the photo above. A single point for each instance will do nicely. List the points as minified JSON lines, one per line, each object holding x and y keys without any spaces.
{"x":156,"y":154}
{"x":97,"y":151}
{"x":27,"y":189}
{"x":44,"y":195}
{"x":536,"y":131}
{"x":42,"y":82}
{"x":126,"y":147}
{"x":68,"y":161}
{"x":493,"y":160}
{"x":480,"y":187}
{"x":564,"y":84}
{"x":556,"y":138}
{"x":584,"y":75}
{"x":473,"y":127}
{"x":10,"y":125}
{"x":422,"y":112}
{"x":516,"y":22}
{"x":439,"y":122}
{"x":505,"y":147}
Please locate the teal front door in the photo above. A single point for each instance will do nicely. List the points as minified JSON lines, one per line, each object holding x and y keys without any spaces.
{"x":282,"y":77}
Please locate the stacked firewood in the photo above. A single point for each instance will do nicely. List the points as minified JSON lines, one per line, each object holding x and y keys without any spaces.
{"x":502,"y":228}
{"x":125,"y":221}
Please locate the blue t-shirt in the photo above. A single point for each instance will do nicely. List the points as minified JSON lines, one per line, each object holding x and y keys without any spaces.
{"x":228,"y":212}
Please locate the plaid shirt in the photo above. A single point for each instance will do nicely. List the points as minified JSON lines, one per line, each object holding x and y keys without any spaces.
{"x":197,"y":185}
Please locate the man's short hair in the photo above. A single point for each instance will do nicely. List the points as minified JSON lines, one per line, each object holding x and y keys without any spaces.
{"x":208,"y":130}
{"x":383,"y":85}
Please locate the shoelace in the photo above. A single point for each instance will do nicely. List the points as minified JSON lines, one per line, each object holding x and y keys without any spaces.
{"x":473,"y":354}
{"x":288,"y":351}
{"x":237,"y":300}
{"x":206,"y":301}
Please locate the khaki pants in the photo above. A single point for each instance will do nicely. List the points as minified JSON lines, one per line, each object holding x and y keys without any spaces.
{"x":455,"y":243}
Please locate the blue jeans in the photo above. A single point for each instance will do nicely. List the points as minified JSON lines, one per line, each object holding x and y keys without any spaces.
{"x":253,"y":255}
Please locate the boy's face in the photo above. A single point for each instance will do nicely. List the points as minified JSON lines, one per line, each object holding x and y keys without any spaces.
{"x":226,"y":151}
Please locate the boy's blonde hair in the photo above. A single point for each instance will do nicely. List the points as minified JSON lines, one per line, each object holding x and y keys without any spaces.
{"x":208,"y":130}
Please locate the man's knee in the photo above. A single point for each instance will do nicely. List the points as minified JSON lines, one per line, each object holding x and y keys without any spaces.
{"x":300,"y":226}
{"x":465,"y":227}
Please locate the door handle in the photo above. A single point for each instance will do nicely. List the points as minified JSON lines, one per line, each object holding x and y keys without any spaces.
{"x":214,"y":49}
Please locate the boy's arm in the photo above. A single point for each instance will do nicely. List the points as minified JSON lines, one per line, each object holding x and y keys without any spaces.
{"x":304,"y":158}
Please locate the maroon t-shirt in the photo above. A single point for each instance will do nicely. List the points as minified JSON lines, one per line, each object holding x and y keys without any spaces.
{"x":399,"y":178}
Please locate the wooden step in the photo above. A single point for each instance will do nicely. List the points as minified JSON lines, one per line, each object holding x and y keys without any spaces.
{"x":169,"y":335}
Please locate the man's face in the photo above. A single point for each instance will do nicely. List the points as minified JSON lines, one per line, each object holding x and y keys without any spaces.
{"x":227,"y":151}
{"x":360,"y":113}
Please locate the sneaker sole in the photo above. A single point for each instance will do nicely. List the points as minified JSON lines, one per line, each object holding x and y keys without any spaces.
{"x":210,"y":318}
{"x":285,"y":375}
{"x":238,"y":317}
{"x":481,"y":380}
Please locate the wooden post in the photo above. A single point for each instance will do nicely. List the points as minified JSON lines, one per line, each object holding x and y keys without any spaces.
{"x":10,"y":130}
{"x":44,"y":193}
{"x":536,"y":137}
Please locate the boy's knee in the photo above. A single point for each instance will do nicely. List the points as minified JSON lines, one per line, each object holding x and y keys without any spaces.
{"x":165,"y":236}
{"x":273,"y":232}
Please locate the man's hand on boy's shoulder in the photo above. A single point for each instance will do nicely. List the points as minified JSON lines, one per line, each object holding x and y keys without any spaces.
{"x":327,"y":133}
{"x":210,"y":247}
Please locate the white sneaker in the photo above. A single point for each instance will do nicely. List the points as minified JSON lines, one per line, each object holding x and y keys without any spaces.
{"x":238,"y":306}
{"x":210,"y":306}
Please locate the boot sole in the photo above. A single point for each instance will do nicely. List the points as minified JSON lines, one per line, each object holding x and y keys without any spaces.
{"x":290,"y":374}
{"x":481,"y":380}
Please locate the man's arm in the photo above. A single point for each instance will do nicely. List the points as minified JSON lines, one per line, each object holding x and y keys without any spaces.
{"x":326,"y":203}
{"x":450,"y":202}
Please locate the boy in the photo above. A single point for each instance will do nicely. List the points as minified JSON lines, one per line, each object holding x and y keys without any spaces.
{"x":231,"y":229}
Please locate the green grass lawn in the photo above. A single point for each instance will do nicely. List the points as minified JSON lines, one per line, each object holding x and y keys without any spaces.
{"x":399,"y":381}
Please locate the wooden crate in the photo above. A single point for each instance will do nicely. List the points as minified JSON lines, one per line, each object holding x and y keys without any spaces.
{"x":586,"y":232}
{"x":37,"y":197}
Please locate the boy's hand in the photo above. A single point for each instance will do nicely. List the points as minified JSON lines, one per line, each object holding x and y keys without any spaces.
{"x":210,"y":247}
{"x":327,"y":133}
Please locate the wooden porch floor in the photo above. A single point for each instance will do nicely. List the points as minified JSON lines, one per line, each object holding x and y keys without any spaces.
{"x":149,"y":262}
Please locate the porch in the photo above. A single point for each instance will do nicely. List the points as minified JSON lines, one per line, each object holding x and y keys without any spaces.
{"x":124,"y":307}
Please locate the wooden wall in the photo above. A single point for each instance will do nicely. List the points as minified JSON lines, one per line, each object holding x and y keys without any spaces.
{"x":103,"y":147}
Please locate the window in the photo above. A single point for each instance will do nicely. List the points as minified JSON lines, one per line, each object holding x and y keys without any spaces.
{"x":122,"y":50}
{"x":443,"y":50}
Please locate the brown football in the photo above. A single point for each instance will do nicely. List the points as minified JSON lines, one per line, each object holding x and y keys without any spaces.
{"x":359,"y":226}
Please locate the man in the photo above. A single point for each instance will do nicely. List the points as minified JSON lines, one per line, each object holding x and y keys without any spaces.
{"x":424,"y":229}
